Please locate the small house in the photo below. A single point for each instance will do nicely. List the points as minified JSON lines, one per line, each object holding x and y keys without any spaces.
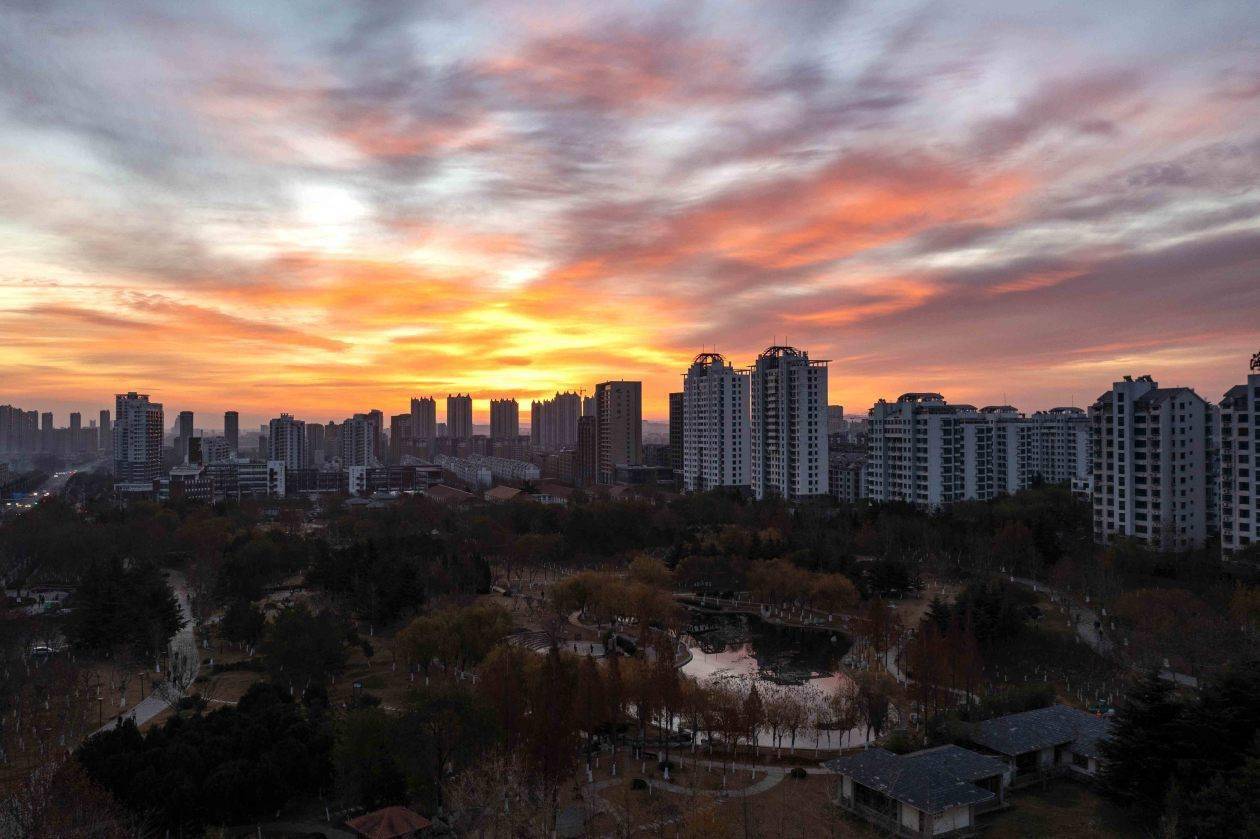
{"x":1048,"y":741}
{"x":934,"y":792}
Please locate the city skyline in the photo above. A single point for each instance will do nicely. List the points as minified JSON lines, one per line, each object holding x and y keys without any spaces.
{"x":323,"y":213}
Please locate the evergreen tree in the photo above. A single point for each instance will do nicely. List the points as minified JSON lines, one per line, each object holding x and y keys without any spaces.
{"x":1140,"y":755}
{"x":1227,"y":807}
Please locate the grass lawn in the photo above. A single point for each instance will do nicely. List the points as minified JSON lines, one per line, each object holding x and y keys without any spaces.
{"x":1060,"y":808}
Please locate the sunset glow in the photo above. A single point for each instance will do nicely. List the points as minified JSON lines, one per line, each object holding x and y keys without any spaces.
{"x":327,"y":208}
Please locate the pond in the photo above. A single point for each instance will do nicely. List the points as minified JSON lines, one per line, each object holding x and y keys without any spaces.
{"x":744,"y":648}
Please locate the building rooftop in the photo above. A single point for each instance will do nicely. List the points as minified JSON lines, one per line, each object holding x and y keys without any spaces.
{"x":389,"y":823}
{"x":1029,"y":731}
{"x":933,"y":780}
{"x":502,"y":493}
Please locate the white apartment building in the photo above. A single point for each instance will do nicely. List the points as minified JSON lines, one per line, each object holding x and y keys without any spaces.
{"x":469,"y":471}
{"x":915,"y":451}
{"x":137,"y":442}
{"x":716,"y":436}
{"x":1239,"y":458}
{"x":789,"y":424}
{"x":925,"y":451}
{"x":1062,"y":444}
{"x":286,"y":441}
{"x":1152,"y":452}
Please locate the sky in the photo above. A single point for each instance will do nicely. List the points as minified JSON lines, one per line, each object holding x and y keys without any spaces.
{"x":323,"y":208}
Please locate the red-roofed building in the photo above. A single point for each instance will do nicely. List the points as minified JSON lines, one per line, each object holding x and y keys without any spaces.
{"x":390,"y":823}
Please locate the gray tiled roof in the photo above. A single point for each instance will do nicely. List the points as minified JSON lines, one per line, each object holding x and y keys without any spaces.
{"x":933,"y":780}
{"x":1029,"y":731}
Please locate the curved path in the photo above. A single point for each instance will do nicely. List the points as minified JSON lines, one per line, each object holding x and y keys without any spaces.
{"x":1091,"y":635}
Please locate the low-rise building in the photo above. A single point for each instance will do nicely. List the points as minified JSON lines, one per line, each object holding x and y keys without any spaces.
{"x":934,"y":792}
{"x":1047,"y":741}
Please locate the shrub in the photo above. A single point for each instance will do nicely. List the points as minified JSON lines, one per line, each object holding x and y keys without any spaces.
{"x":798,"y":773}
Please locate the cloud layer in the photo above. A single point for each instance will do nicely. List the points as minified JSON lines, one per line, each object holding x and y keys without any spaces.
{"x":329,"y":207}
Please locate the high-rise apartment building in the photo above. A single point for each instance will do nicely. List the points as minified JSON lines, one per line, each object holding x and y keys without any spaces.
{"x":183,"y":433}
{"x":47,"y":432}
{"x":835,"y":419}
{"x":914,"y":451}
{"x":676,"y":432}
{"x":19,"y":430}
{"x":105,"y":436}
{"x":76,"y":422}
{"x":716,"y":434}
{"x":286,"y":442}
{"x":1062,"y":444}
{"x":619,"y":414}
{"x":1153,"y":452}
{"x":377,"y":418}
{"x":355,"y":439}
{"x":586,"y":465}
{"x":400,"y":439}
{"x":232,"y":430}
{"x":789,"y":428}
{"x":923,"y":450}
{"x":424,"y":420}
{"x":1239,"y":459}
{"x":459,"y":416}
{"x":505,"y":419}
{"x":138,"y":430}
{"x":314,"y":443}
{"x":553,"y":422}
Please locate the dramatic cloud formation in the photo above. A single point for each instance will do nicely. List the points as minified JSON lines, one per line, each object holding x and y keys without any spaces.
{"x":326,"y":207}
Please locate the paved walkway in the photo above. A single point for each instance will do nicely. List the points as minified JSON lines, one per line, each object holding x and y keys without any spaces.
{"x":710,"y":763}
{"x":183,"y":649}
{"x":1092,"y":635}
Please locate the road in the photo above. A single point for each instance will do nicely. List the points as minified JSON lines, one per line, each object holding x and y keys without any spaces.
{"x":183,"y":652}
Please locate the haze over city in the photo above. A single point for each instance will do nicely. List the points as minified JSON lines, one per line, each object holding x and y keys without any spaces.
{"x":321,"y":208}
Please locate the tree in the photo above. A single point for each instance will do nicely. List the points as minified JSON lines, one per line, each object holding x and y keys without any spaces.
{"x":229,"y":766}
{"x":1228,"y":806}
{"x":876,"y":695}
{"x":833,"y":593}
{"x":753,"y":715}
{"x":551,"y":740}
{"x":123,"y":607}
{"x":302,"y":649}
{"x":243,"y":623}
{"x":445,"y":727}
{"x":368,"y":772}
{"x":1140,"y":753}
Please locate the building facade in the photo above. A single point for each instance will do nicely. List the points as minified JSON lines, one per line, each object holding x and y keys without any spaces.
{"x":424,"y":420}
{"x":1239,"y":459}
{"x":716,"y":433}
{"x":286,"y":441}
{"x":676,"y":432}
{"x":553,"y":422}
{"x":459,"y":416}
{"x":232,"y":430}
{"x":1062,"y":444}
{"x":1152,"y":453}
{"x":138,"y":430}
{"x":914,"y":451}
{"x":354,"y":441}
{"x":505,"y":419}
{"x":619,"y":414}
{"x":789,"y":424}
